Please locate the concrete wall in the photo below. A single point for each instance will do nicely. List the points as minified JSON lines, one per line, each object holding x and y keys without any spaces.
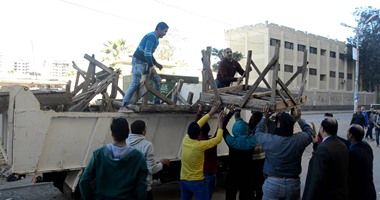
{"x":337,"y":98}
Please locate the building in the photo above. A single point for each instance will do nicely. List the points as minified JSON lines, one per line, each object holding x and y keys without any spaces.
{"x":21,"y":66}
{"x":328,"y":68}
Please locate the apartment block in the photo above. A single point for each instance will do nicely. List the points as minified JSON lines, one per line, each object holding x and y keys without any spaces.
{"x":329,"y":68}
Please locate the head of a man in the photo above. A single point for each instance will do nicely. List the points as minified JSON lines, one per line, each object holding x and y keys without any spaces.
{"x":329,"y":126}
{"x":205,"y":130}
{"x":284,"y":124}
{"x":138,"y":127}
{"x":362,"y":108}
{"x":254,"y":119}
{"x":355,"y":133}
{"x":161,"y":29}
{"x":328,"y":115}
{"x":228,"y":53}
{"x":120,"y":129}
{"x":193,"y":130}
{"x":358,"y":109}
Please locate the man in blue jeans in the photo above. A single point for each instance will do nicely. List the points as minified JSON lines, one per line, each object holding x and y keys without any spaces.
{"x":283,"y":153}
{"x":143,"y":61}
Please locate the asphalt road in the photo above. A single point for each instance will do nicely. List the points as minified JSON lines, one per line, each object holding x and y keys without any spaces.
{"x":23,"y":189}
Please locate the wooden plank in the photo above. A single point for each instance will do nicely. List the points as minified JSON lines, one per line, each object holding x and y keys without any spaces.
{"x":287,"y":91}
{"x":282,"y":97}
{"x":168,"y":108}
{"x":257,"y":82}
{"x":274,"y":83}
{"x":247,"y":66}
{"x":293,"y":77}
{"x":304,"y":73}
{"x":181,"y":99}
{"x":140,"y":92}
{"x":259,"y":73}
{"x":231,"y":88}
{"x":190,"y":98}
{"x":90,"y":75}
{"x":80,"y":71}
{"x":97,"y":63}
{"x":209,"y":77}
{"x":252,"y":103}
{"x":158,"y":94}
{"x":176,"y":89}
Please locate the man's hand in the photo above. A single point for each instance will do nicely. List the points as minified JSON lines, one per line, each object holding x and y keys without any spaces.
{"x":231,"y":108}
{"x":240,"y":79}
{"x":296,"y":113}
{"x":221,"y":117}
{"x":214,"y":108}
{"x":201,"y":106}
{"x":249,"y":69}
{"x":159,"y":66}
{"x":315,"y":139}
{"x":266,"y":112}
{"x":165,"y":162}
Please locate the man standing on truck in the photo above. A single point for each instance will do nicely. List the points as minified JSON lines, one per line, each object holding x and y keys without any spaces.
{"x":227,"y":70}
{"x":193,"y":153}
{"x":115,"y":171}
{"x":137,"y":141}
{"x":143,"y":61}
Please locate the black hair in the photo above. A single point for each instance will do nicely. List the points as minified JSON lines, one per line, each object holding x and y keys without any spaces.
{"x":137,"y":127}
{"x":357,"y":132}
{"x":330,"y":125}
{"x":193,"y":130}
{"x":161,"y":26}
{"x":120,"y":129}
{"x":254,"y":119}
{"x":329,"y":115}
{"x":205,"y":129}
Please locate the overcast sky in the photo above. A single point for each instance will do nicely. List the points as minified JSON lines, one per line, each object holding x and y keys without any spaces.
{"x":67,"y":29}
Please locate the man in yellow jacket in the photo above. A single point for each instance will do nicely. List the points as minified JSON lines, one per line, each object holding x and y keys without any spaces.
{"x":192,"y":179}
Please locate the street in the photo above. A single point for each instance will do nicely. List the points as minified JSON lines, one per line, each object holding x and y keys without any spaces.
{"x":24,"y":190}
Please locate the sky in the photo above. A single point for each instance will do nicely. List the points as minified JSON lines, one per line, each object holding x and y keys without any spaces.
{"x":67,"y":29}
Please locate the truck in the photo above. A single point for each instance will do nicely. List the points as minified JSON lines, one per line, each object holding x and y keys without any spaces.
{"x":52,"y":134}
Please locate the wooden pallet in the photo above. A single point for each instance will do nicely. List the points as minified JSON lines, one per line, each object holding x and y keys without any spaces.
{"x":252,"y":97}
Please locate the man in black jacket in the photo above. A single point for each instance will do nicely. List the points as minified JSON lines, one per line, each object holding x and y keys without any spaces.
{"x":360,"y":170}
{"x":328,"y":173}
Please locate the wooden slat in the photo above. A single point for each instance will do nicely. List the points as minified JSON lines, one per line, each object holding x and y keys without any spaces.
{"x":304,"y":73}
{"x":247,"y":66}
{"x":206,"y":66}
{"x":231,"y":88}
{"x":97,"y":63}
{"x":274,"y":83}
{"x":257,"y":82}
{"x":286,"y":90}
{"x":259,"y":73}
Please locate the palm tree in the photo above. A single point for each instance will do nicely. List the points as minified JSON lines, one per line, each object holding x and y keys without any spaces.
{"x":115,"y":50}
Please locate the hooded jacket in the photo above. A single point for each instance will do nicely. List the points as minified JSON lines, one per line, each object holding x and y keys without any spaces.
{"x":114,"y":172}
{"x":138,"y":141}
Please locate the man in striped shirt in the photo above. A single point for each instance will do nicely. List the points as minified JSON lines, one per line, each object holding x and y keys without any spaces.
{"x":143,"y":60}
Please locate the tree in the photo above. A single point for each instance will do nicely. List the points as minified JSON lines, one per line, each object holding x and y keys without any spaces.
{"x":115,"y":50}
{"x":165,"y":50}
{"x":369,"y":46}
{"x":220,"y":54}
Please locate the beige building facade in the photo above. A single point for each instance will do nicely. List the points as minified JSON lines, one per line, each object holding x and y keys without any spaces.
{"x":329,"y":65}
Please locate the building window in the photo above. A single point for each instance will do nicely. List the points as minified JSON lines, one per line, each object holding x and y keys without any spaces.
{"x":274,"y":42}
{"x":313,"y":71}
{"x":332,"y":74}
{"x":341,"y":75}
{"x":323,"y":52}
{"x":288,"y":68}
{"x":322,"y":77}
{"x":289,"y":45}
{"x":301,"y":47}
{"x":313,"y":50}
{"x":349,"y":76}
{"x":342,"y":56}
{"x":332,"y":54}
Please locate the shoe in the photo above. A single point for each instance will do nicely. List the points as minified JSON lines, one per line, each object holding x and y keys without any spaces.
{"x":125,"y":110}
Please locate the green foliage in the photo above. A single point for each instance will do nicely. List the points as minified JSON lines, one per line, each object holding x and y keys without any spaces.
{"x":369,"y":49}
{"x":115,"y":50}
{"x":220,"y":54}
{"x":164,"y":51}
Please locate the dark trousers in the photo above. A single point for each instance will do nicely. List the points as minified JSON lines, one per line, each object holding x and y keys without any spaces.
{"x":149,"y":195}
{"x":239,"y":180}
{"x":258,"y":178}
{"x":369,"y":131}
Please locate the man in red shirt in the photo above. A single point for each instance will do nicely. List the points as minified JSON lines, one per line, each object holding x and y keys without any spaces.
{"x":227,"y":70}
